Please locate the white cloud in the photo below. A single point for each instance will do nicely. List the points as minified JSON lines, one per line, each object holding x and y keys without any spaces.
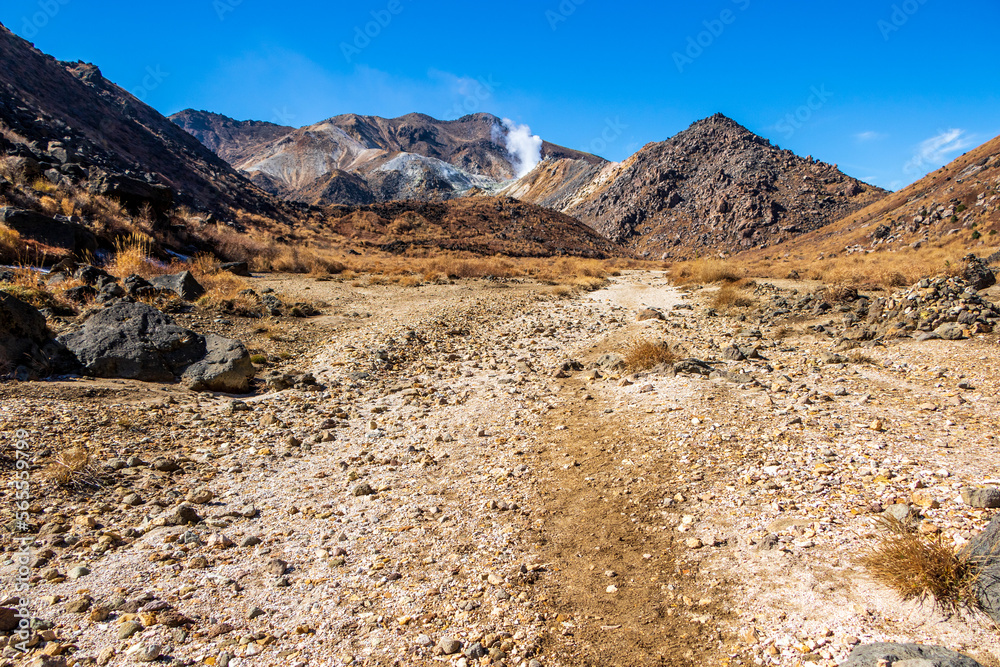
{"x":938,"y":149}
{"x":869,"y":136}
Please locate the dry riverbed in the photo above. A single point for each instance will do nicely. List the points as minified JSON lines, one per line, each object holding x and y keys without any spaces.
{"x":453,"y":491}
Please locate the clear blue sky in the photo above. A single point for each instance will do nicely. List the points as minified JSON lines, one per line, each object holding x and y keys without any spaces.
{"x":887,"y":90}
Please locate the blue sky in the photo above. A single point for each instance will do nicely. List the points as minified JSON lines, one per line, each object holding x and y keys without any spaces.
{"x":888,"y":91}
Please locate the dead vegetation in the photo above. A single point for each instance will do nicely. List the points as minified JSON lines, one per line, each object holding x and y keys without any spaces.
{"x":921,"y":568}
{"x":75,"y":468}
{"x":730,"y":297}
{"x":706,"y":272}
{"x":646,"y":354}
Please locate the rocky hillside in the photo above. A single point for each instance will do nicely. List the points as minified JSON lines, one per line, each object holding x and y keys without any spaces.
{"x":352,"y":159}
{"x":958,"y":202}
{"x":715,"y":187}
{"x":483,"y":225}
{"x":67,"y":119}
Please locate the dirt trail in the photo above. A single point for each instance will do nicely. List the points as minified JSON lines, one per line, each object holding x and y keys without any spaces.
{"x":633,"y":597}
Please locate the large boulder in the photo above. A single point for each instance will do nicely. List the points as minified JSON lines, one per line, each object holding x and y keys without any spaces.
{"x":873,"y":655}
{"x":43,"y":229}
{"x":23,"y":334}
{"x":182,"y":284}
{"x":977,"y":273}
{"x":226,"y":367}
{"x":134,"y":341}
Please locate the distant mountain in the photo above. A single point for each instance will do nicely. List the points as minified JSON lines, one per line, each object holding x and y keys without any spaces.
{"x":715,"y":187}
{"x":352,"y":159}
{"x":68,"y":117}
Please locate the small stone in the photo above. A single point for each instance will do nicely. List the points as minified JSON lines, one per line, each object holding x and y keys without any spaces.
{"x":363,"y":490}
{"x":128,"y":629}
{"x":148,"y":653}
{"x":449,"y":646}
{"x":611,"y":589}
{"x":276,"y":566}
{"x":78,"y":572}
{"x":693,"y":543}
{"x":254,"y":613}
{"x":79,"y":605}
{"x":199,"y":496}
{"x":250,"y":541}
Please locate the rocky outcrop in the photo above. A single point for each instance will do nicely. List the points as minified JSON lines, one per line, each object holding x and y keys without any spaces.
{"x":917,"y":655}
{"x":136,"y":341}
{"x":62,"y":234}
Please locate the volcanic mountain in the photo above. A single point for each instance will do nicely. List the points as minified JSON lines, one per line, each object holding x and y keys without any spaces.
{"x":715,"y":187}
{"x":352,"y":159}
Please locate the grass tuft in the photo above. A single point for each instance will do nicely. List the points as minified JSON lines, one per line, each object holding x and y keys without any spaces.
{"x":921,"y":568}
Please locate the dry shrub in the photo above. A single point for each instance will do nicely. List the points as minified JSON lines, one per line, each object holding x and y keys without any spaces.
{"x":43,"y":185}
{"x":10,"y":245}
{"x":729,"y":297}
{"x":133,"y":256}
{"x":921,"y":568}
{"x":49,"y":206}
{"x":13,"y":170}
{"x":409,"y":281}
{"x":74,"y":467}
{"x":646,"y":354}
{"x":706,"y":271}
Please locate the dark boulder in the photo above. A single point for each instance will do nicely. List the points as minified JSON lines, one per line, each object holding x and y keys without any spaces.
{"x":91,"y":275}
{"x":138,"y":287}
{"x":26,"y":344}
{"x":237,"y":268}
{"x":693,"y":367}
{"x":182,"y":284}
{"x":872,"y":655}
{"x":134,"y":341}
{"x":43,"y":229}
{"x":983,"y":553}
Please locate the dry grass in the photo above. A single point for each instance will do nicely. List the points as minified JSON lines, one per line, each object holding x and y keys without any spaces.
{"x":10,"y":245}
{"x":730,"y":297}
{"x":921,"y":568}
{"x":884,"y":269}
{"x":74,"y":467}
{"x":133,"y":256}
{"x":647,"y":354}
{"x":706,"y":271}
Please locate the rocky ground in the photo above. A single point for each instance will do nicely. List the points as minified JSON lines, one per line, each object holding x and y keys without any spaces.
{"x":454,"y":489}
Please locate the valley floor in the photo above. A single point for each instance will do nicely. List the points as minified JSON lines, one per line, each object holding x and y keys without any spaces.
{"x":450,"y":497}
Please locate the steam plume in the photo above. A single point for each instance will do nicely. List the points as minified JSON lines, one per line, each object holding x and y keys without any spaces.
{"x":525,"y":149}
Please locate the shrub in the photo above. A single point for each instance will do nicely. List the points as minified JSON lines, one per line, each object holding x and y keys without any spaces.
{"x":646,"y":354}
{"x":133,"y":255}
{"x":74,"y":467}
{"x":921,"y":568}
{"x":706,"y":271}
{"x":731,"y":297}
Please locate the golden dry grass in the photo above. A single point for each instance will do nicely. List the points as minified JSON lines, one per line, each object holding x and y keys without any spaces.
{"x":10,"y":245}
{"x":646,"y":354}
{"x":921,"y":568}
{"x":706,"y":272}
{"x":133,"y":256}
{"x":731,"y":297}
